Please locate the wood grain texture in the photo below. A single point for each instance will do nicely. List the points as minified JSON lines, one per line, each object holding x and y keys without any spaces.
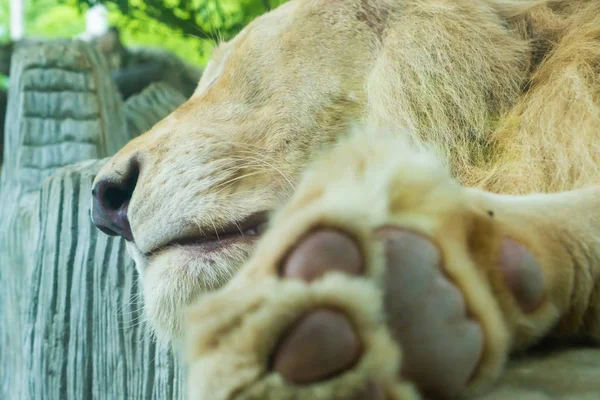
{"x":150,"y":106}
{"x":70,"y":308}
{"x":84,"y":326}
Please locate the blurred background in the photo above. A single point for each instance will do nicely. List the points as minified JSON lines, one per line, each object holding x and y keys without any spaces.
{"x":187,"y":28}
{"x":143,"y":42}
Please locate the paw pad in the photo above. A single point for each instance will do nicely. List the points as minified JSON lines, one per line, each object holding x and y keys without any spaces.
{"x":323,"y":251}
{"x":318,"y":346}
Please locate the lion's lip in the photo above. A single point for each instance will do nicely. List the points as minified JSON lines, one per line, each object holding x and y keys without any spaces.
{"x":250,"y":227}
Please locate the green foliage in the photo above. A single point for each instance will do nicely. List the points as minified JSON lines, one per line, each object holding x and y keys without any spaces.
{"x":204,"y":19}
{"x":55,"y":21}
{"x":188,"y":28}
{"x":146,"y":32}
{"x":4,"y":17}
{"x":45,"y":18}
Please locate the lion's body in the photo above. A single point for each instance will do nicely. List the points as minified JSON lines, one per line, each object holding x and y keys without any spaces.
{"x":513,"y":105}
{"x":506,"y":92}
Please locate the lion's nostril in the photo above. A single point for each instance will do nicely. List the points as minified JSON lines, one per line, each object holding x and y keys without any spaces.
{"x":115,"y":198}
{"x":111,"y":195}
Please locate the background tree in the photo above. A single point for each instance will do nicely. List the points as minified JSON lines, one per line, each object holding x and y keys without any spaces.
{"x":188,"y":28}
{"x":204,"y":19}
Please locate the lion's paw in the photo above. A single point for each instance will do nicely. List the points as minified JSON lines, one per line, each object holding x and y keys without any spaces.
{"x":313,"y":330}
{"x":368,"y":285}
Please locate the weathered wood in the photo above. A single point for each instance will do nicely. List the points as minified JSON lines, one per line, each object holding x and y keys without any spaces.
{"x":62,"y":108}
{"x":133,"y":80}
{"x":55,"y":116}
{"x":155,"y":102}
{"x":5,"y":55}
{"x":135,"y":69}
{"x":3,"y":101}
{"x":84,"y":328}
{"x":69,"y":306}
{"x":181,"y":76}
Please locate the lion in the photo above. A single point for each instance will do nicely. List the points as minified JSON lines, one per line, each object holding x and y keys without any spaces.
{"x":372,"y":199}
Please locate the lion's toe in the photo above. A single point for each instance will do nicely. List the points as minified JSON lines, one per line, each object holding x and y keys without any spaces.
{"x":320,"y":252}
{"x":318,"y":346}
{"x":442,"y":344}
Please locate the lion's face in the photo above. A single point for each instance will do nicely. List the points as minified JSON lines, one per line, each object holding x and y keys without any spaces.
{"x":205,"y":176}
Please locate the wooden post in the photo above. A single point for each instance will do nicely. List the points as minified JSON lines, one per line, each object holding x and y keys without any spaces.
{"x":69,"y":301}
{"x":84,"y":330}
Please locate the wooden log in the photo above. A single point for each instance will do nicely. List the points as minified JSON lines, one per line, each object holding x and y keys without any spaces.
{"x":84,"y":330}
{"x":135,"y":79}
{"x":5,"y":55}
{"x":3,"y":101}
{"x":62,"y":108}
{"x":180,"y":75}
{"x":69,"y":293}
{"x":154,"y":103}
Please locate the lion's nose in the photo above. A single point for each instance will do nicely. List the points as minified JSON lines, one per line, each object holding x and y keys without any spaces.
{"x":111,"y":195}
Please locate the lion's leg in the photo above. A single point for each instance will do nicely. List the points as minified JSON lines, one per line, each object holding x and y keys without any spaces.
{"x":562,"y":234}
{"x":549,"y":143}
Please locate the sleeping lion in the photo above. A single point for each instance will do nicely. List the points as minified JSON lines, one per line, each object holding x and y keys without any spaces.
{"x":372,"y":199}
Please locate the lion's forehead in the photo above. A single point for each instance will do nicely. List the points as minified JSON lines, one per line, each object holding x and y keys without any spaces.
{"x":256,"y":34}
{"x":273,"y":35}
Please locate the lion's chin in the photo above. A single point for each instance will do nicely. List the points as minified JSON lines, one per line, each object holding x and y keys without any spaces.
{"x":176,"y":277}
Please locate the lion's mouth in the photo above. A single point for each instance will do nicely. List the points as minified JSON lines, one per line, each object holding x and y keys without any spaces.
{"x":213,"y":238}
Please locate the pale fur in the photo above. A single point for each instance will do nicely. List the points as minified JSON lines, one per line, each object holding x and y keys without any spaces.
{"x":506,"y":92}
{"x":376,"y":179}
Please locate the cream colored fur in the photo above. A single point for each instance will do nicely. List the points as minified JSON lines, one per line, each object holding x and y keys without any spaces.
{"x":505,"y":93}
{"x":233,"y":332}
